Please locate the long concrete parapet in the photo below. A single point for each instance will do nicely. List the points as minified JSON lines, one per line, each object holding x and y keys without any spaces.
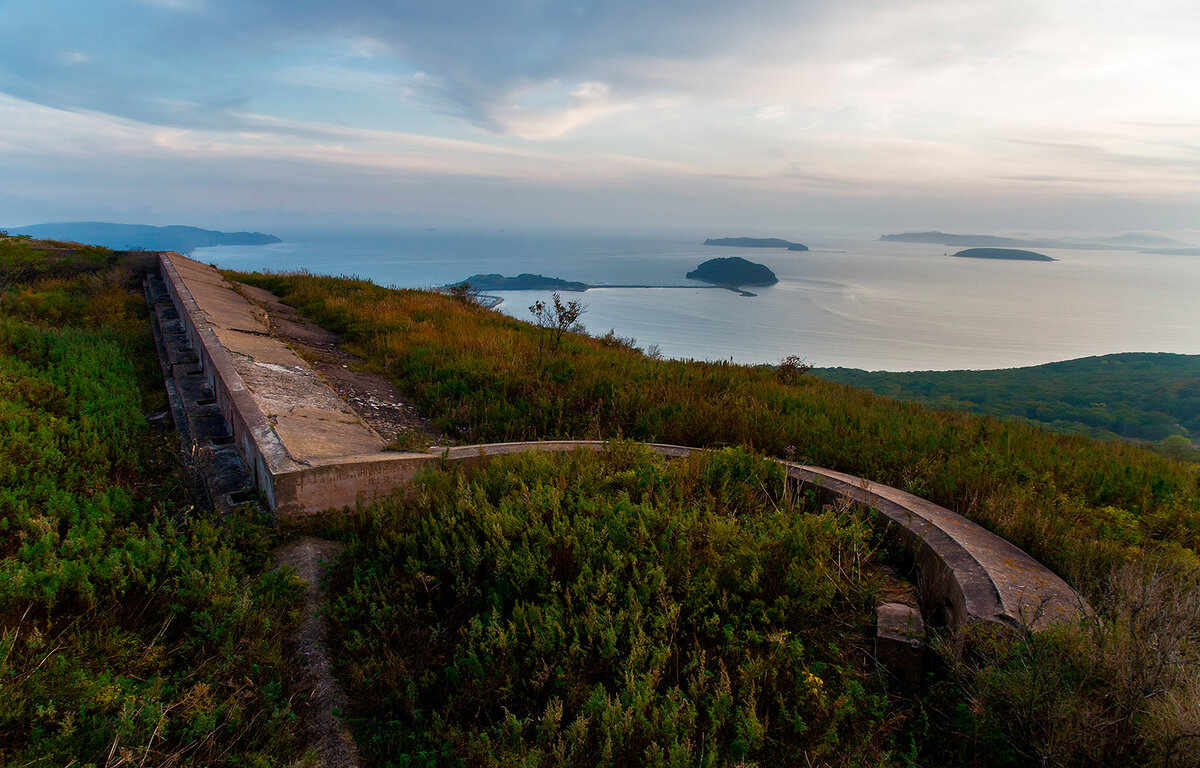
{"x":309,"y":452}
{"x":967,"y":573}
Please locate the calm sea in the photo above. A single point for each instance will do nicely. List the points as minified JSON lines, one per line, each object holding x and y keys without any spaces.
{"x":857,"y":303}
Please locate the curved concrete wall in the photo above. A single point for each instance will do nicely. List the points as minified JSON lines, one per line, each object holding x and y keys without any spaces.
{"x":965,"y":572}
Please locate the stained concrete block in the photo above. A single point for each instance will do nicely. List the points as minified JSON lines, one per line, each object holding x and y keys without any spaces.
{"x":900,"y":641}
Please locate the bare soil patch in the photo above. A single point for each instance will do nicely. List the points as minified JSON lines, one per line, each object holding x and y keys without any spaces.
{"x":372,"y":397}
{"x":322,"y":697}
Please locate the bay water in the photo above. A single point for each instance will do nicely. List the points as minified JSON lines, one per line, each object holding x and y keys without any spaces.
{"x":851,"y":302}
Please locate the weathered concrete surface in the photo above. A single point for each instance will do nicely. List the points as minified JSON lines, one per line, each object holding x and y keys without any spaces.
{"x":900,"y":641}
{"x":312,"y":423}
{"x":216,"y":471}
{"x":309,"y":453}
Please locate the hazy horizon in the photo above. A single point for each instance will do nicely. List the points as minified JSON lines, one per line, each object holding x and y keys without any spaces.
{"x":766,"y":118}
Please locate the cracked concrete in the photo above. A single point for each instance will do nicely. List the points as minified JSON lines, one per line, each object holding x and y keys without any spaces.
{"x":313,"y":424}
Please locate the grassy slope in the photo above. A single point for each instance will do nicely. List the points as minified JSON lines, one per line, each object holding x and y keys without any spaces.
{"x":131,"y":629}
{"x":1079,"y":505}
{"x":441,"y":596}
{"x":1144,"y":396}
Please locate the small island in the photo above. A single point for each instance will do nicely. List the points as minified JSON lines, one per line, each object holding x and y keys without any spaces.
{"x":522,"y":282}
{"x":756,"y":242}
{"x":1010,"y":254}
{"x":733,"y":272}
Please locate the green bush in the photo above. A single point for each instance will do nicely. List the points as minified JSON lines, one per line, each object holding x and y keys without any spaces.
{"x":611,"y":609}
{"x":132,"y":628}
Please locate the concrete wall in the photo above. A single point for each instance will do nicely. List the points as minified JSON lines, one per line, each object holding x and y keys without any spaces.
{"x":252,"y":433}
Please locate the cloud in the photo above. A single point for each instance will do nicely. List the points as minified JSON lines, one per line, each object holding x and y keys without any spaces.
{"x":528,"y":68}
{"x":44,"y":131}
{"x":844,"y":98}
{"x":544,"y":113}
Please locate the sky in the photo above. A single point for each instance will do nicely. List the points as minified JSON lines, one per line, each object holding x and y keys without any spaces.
{"x":761,"y":117}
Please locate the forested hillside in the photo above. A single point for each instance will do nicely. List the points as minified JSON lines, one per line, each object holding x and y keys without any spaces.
{"x":1142,"y":396}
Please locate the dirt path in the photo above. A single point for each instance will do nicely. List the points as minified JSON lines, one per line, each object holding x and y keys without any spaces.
{"x":386,"y":410}
{"x":328,"y":736}
{"x":376,"y":401}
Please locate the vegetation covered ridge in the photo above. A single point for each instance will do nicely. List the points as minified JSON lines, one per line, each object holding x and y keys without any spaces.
{"x":134,"y":629}
{"x":444,"y":595}
{"x":1081,"y":507}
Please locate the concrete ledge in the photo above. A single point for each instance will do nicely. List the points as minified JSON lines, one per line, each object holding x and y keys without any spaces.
{"x":252,"y":432}
{"x":967,"y":573}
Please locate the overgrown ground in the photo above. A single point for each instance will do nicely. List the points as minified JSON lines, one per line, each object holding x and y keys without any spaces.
{"x":1081,"y":506}
{"x":614,"y":609}
{"x":1121,"y":523}
{"x":134,"y":630}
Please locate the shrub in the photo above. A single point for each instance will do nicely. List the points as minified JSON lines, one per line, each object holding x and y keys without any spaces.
{"x":610,"y":609}
{"x":133,"y":629}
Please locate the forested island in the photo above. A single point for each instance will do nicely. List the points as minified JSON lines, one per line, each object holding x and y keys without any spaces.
{"x":756,"y":242}
{"x":1008,"y":254}
{"x":733,"y":271}
{"x":126,"y":237}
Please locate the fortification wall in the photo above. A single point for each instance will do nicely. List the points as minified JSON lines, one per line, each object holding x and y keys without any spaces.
{"x":965,"y":573}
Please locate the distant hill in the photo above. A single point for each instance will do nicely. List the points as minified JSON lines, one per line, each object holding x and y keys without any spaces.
{"x":756,"y":242}
{"x":1144,"y":396}
{"x":1009,"y":254}
{"x":125,"y":237}
{"x":1131,"y":241}
{"x":1134,"y":239}
{"x":1174,"y":251}
{"x":944,"y":238}
{"x":733,"y":271}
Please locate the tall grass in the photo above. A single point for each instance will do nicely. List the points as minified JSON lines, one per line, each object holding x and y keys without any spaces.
{"x":133,"y":630}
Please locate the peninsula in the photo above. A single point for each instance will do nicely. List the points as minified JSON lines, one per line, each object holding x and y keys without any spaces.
{"x":756,"y":242}
{"x":528,"y":282}
{"x":1009,"y":254}
{"x":733,"y":272}
{"x":128,"y":237}
{"x":522,"y":282}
